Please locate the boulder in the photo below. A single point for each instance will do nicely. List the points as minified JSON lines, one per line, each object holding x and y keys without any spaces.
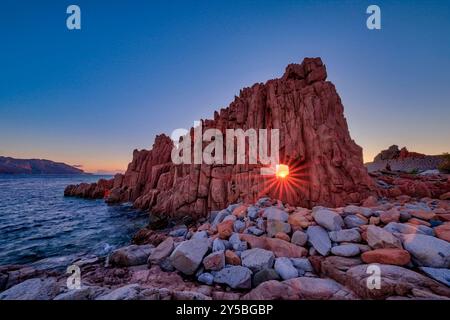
{"x":298,"y":220}
{"x":319,"y":289}
{"x":128,"y":292}
{"x":218,"y":245}
{"x":407,"y":228}
{"x":188,"y":255}
{"x":370,"y":202}
{"x":225,"y":229}
{"x":162,"y":251}
{"x":352,"y":210}
{"x":214,"y":261}
{"x":438,"y":274}
{"x":397,"y":257}
{"x":280,"y":248}
{"x":328,"y":219}
{"x":275,"y":226}
{"x":32,"y":289}
{"x":394,"y":281}
{"x":237,"y":277}
{"x":276,"y":214}
{"x":319,"y":239}
{"x":255,"y":231}
{"x":240,"y":211}
{"x":355,"y":221}
{"x":302,"y":264}
{"x":423,"y":214}
{"x":269,"y":290}
{"x":282,"y":236}
{"x":345,"y":250}
{"x":443,"y":231}
{"x":179,"y":231}
{"x":232,"y":258}
{"x":239,"y":226}
{"x":252,"y":212}
{"x":378,"y":238}
{"x":264,"y":275}
{"x":427,"y":251}
{"x":392,"y":215}
{"x":84,"y":293}
{"x":299,"y":238}
{"x":200,"y":235}
{"x":285,"y":268}
{"x":206,"y":278}
{"x":132,"y":255}
{"x":257,"y":259}
{"x":348,"y":235}
{"x":302,"y":288}
{"x":219,"y":217}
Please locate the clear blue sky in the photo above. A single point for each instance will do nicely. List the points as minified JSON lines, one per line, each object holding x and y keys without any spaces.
{"x":138,"y":68}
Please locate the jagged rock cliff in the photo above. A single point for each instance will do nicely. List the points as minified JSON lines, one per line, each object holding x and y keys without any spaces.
{"x":326,"y":164}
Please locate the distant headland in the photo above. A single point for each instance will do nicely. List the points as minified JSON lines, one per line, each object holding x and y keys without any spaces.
{"x":10,"y":165}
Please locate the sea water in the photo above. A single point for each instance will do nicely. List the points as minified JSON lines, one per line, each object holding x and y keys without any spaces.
{"x":38,"y":222}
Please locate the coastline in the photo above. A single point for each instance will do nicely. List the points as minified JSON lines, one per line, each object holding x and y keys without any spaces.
{"x":265,"y":250}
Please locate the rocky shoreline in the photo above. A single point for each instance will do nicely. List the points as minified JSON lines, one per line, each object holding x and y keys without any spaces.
{"x":266,"y":250}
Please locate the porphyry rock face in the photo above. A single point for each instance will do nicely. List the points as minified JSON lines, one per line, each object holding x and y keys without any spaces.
{"x":314,"y":141}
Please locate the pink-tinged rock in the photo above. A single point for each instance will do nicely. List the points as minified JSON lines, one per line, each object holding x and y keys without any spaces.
{"x":240,"y":211}
{"x":188,"y":255}
{"x":374,"y":220}
{"x":419,"y":222}
{"x":395,"y":281}
{"x":225,"y":229}
{"x":371,"y":201}
{"x":298,"y":221}
{"x":390,"y":216}
{"x":302,"y":288}
{"x":162,"y":251}
{"x":214,"y":261}
{"x":379,"y":238}
{"x":397,"y":257}
{"x":282,"y":236}
{"x":232,"y":258}
{"x":280,"y":248}
{"x":443,"y":231}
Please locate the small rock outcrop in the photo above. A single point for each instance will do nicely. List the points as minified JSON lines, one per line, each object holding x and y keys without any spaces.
{"x":393,"y":152}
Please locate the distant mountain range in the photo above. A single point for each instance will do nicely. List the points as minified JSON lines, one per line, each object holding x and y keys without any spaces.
{"x":35,"y":166}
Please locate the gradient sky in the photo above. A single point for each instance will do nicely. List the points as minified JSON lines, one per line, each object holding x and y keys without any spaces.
{"x":139,"y":68}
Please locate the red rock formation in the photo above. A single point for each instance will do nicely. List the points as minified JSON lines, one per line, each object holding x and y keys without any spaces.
{"x":393,"y":152}
{"x":404,"y":153}
{"x":326,"y":164}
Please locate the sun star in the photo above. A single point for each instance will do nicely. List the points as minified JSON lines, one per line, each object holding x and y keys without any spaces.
{"x":282,"y":171}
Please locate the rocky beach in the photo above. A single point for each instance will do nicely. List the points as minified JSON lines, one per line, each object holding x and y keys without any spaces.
{"x":263,"y":251}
